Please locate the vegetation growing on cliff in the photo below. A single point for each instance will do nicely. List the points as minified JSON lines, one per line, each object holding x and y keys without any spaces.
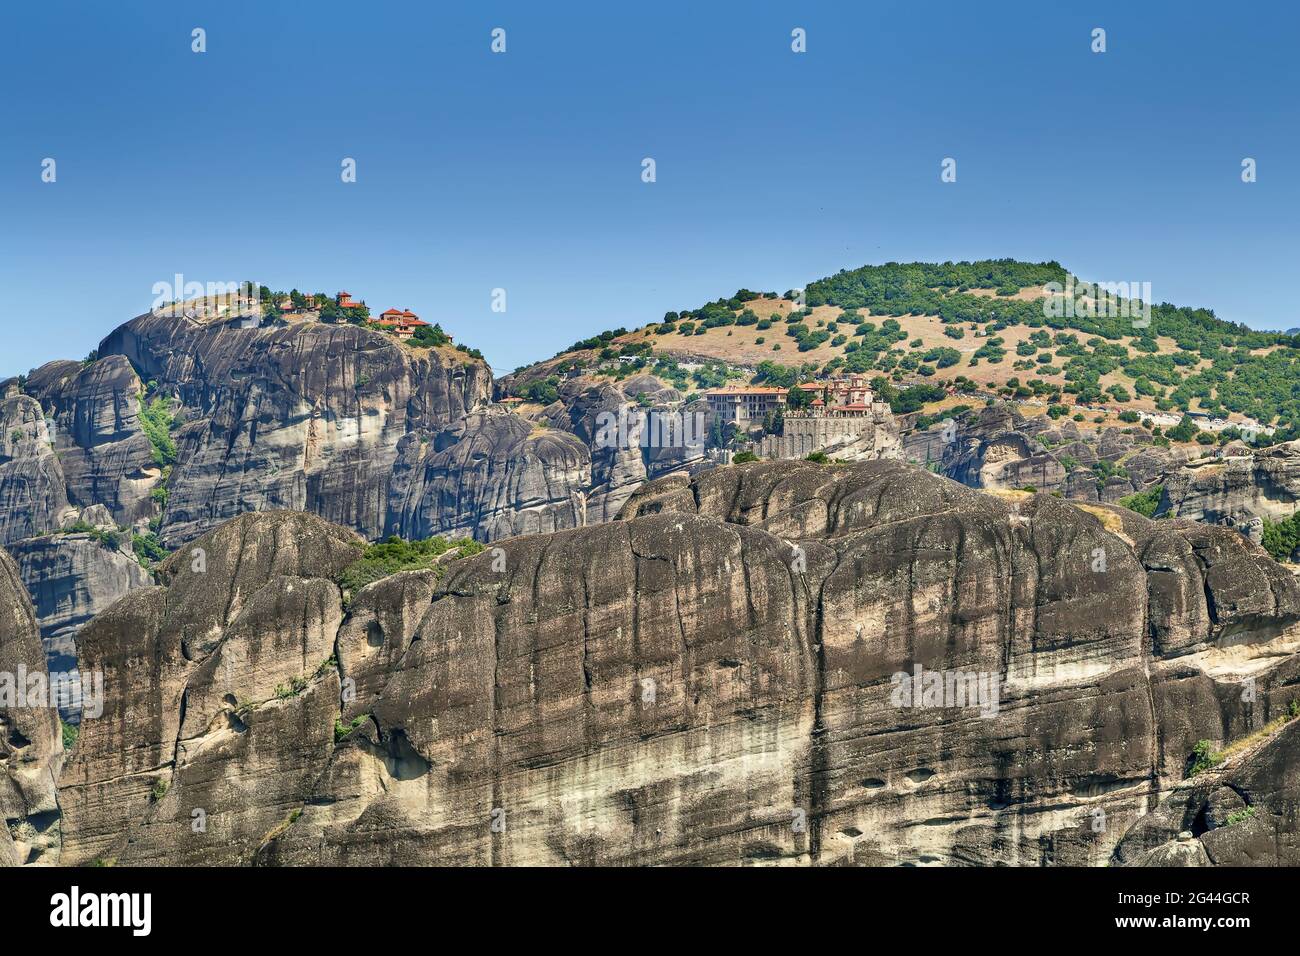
{"x":1282,"y":538}
{"x":157,"y":421}
{"x":108,"y":537}
{"x":1144,"y":502}
{"x":1204,"y":757}
{"x":397,"y":554}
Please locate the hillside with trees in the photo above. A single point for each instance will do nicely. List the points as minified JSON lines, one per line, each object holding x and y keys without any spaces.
{"x":985,"y":329}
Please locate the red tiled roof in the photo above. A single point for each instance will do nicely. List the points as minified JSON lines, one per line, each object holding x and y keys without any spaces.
{"x":749,"y":390}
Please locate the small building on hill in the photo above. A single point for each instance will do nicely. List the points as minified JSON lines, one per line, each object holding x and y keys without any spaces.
{"x":744,"y":405}
{"x":401,"y":322}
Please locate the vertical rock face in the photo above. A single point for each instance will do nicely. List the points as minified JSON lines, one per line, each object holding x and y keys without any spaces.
{"x":1243,"y":813}
{"x":72,"y":578}
{"x":33,"y":498}
{"x":1238,"y":488}
{"x":716,"y":678}
{"x":492,"y":475}
{"x":31,"y":742}
{"x":299,"y":417}
{"x":106,"y":458}
{"x":247,"y":610}
{"x":635,"y":430}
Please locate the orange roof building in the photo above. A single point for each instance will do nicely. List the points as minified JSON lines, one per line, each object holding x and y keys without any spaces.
{"x":402,"y":322}
{"x":742,"y":405}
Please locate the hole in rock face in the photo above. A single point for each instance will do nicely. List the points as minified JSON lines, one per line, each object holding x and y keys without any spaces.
{"x":16,"y":739}
{"x":44,"y":820}
{"x":229,"y":700}
{"x":852,"y":832}
{"x":920,"y":774}
{"x":401,"y":760}
{"x":374,"y":634}
{"x":873,"y":783}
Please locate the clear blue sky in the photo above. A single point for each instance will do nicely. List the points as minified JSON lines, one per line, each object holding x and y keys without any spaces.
{"x":523,"y":170}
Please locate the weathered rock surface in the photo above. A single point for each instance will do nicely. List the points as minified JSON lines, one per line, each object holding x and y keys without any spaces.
{"x":1238,"y":488}
{"x":1245,"y":814}
{"x":300,"y":417}
{"x":33,"y":498}
{"x":998,"y":448}
{"x":105,"y":456}
{"x":196,"y":712}
{"x":31,"y":741}
{"x":653,"y":432}
{"x":711,"y":679}
{"x":72,"y":578}
{"x":492,"y":475}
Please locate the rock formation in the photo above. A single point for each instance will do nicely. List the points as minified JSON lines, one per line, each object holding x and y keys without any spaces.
{"x":31,"y":741}
{"x":95,"y":413}
{"x":303,"y":416}
{"x":998,"y":448}
{"x":491,"y":475}
{"x":71,"y":578}
{"x":714,"y":678}
{"x":1240,"y":814}
{"x":1237,"y":488}
{"x":245,"y":612}
{"x":33,"y":497}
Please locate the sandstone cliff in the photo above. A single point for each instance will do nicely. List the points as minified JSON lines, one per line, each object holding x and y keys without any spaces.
{"x":998,"y":448}
{"x":711,"y":679}
{"x":1241,"y":488}
{"x":31,"y":742}
{"x":299,"y":417}
{"x":33,"y":496}
{"x":71,"y":578}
